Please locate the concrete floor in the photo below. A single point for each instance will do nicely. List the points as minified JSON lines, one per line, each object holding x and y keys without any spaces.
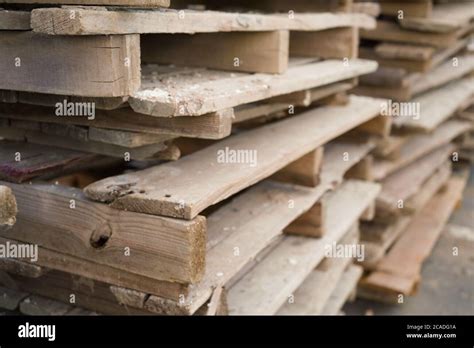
{"x":447,"y":285}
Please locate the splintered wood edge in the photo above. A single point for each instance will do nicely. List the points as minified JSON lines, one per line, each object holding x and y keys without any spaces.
{"x":8,"y":207}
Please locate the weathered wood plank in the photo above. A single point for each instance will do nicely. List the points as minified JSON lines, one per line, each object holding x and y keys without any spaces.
{"x":98,"y":66}
{"x":159,"y":248}
{"x":267,"y":286}
{"x":422,"y":8}
{"x":300,"y":135}
{"x":174,"y":93}
{"x":137,"y":3}
{"x":216,"y":125}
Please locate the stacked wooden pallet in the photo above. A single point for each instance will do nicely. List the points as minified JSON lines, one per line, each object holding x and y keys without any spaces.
{"x":241,"y":225}
{"x":427,"y":75}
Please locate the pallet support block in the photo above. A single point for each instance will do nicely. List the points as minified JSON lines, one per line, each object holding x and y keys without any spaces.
{"x":93,"y":66}
{"x":265,"y":52}
{"x":331,"y":43}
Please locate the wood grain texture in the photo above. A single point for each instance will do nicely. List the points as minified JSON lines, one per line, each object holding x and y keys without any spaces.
{"x":300,"y":135}
{"x":160,"y":248}
{"x":99,"y":66}
{"x":8,"y":207}
{"x":168,"y":92}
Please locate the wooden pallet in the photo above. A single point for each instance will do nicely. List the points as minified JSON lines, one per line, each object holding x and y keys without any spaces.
{"x":135,"y":3}
{"x":220,"y":242}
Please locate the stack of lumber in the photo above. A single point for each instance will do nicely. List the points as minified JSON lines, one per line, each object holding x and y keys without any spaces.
{"x":427,"y":73}
{"x":256,"y":105}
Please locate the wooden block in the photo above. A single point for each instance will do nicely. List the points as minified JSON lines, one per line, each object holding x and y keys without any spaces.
{"x":136,"y":3}
{"x":311,"y":223}
{"x":303,"y":133}
{"x":95,"y":66}
{"x":332,"y":43}
{"x":37,"y":305}
{"x":264,"y":52}
{"x":172,"y":91}
{"x":380,"y":125}
{"x":8,"y":207}
{"x":363,"y":170}
{"x":304,"y":171}
{"x":10,"y":299}
{"x":178,"y":246}
{"x":14,"y":20}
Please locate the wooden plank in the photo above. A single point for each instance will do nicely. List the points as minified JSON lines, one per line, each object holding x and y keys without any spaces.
{"x":174,"y":251}
{"x":304,"y":171}
{"x":142,"y":153}
{"x":211,"y":126}
{"x":75,"y":266}
{"x":96,"y":66}
{"x":392,"y":32}
{"x":262,"y":52}
{"x":327,"y":44}
{"x":264,"y":289}
{"x":390,"y":50}
{"x":274,"y":5}
{"x":175,"y":94}
{"x":343,"y":291}
{"x":8,"y":207}
{"x":20,"y":161}
{"x":139,"y":3}
{"x":437,"y":105}
{"x":14,"y":20}
{"x":267,"y":201}
{"x":420,"y":145}
{"x":300,"y":135}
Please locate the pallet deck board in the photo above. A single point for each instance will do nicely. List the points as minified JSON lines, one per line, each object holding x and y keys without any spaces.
{"x":87,"y":21}
{"x":168,"y":92}
{"x":174,"y":198}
